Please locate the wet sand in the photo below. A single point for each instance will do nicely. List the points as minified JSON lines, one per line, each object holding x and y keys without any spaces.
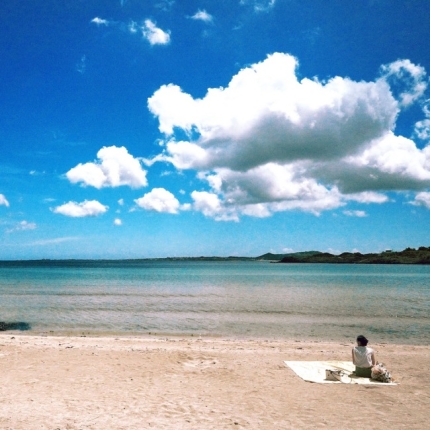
{"x":53,"y":382}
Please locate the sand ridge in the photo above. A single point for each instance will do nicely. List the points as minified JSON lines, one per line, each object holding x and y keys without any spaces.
{"x":66,"y":382}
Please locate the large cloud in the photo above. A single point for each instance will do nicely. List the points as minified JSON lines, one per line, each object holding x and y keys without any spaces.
{"x":270,"y":142}
{"x":115,"y":167}
{"x":83,"y":209}
{"x":266,"y":114}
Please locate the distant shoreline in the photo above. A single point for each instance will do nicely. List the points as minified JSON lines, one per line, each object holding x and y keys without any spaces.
{"x":407,"y":256}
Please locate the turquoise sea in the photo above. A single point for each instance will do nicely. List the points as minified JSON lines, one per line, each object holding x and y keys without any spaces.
{"x":246,"y":299}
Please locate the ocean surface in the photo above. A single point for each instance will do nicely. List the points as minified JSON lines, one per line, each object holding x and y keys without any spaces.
{"x":245,"y":299}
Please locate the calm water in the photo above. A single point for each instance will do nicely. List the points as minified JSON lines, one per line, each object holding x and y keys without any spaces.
{"x":233,"y":299}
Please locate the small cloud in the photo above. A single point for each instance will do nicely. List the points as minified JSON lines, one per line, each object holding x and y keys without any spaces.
{"x":159,"y":200}
{"x":81,"y":65}
{"x":287,"y":250}
{"x":202,"y":15}
{"x":115,"y":168}
{"x":133,"y":27}
{"x":3,"y":201}
{"x":99,"y":21}
{"x":117,"y":221}
{"x":422,"y":199}
{"x":359,"y":214}
{"x":164,"y":5}
{"x":52,"y":241}
{"x":259,"y":5}
{"x":367,"y":197}
{"x":422,"y":129}
{"x":121,"y":202}
{"x":83,"y":209}
{"x":155,"y":35}
{"x":36,"y":173}
{"x":312,"y":35}
{"x":408,"y":81}
{"x":22,"y":226}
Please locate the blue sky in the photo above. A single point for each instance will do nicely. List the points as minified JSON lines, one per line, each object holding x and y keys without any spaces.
{"x":134,"y":129}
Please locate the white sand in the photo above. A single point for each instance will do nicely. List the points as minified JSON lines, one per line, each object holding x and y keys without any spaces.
{"x":190,"y":383}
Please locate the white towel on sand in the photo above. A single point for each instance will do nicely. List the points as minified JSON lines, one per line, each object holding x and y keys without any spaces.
{"x":314,"y":371}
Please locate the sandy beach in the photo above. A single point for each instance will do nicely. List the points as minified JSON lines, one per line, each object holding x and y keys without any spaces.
{"x":52,"y":382}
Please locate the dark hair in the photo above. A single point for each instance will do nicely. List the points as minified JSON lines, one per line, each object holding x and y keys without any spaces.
{"x":362,"y":340}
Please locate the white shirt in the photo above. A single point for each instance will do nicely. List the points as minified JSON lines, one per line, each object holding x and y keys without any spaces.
{"x":362,"y":356}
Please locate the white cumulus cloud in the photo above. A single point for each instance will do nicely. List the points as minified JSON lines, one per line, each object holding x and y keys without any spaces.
{"x":117,"y":221}
{"x":270,"y":141}
{"x":266,"y":114}
{"x":155,"y":35}
{"x":422,"y":128}
{"x":391,"y":163}
{"x":100,"y":21}
{"x":408,"y":80}
{"x":3,"y":201}
{"x":202,"y":15}
{"x":114,"y":168}
{"x":159,"y":200}
{"x":83,"y":209}
{"x":422,"y":199}
{"x":210,"y":205}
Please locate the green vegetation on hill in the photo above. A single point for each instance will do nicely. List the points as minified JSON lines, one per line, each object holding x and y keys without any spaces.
{"x":407,"y":256}
{"x":277,"y":257}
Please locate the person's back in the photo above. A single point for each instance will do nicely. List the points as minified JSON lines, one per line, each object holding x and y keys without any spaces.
{"x":363,"y":357}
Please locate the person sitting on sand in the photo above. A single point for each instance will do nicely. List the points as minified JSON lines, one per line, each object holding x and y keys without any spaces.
{"x":363,"y":357}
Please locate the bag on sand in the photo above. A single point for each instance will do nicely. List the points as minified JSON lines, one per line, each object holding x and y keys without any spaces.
{"x":380,"y":373}
{"x":334,"y":375}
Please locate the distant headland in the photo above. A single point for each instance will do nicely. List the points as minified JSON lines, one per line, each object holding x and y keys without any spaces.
{"x":407,"y":256}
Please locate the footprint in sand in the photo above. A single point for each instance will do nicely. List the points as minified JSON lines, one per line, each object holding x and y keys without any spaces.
{"x":199,"y":362}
